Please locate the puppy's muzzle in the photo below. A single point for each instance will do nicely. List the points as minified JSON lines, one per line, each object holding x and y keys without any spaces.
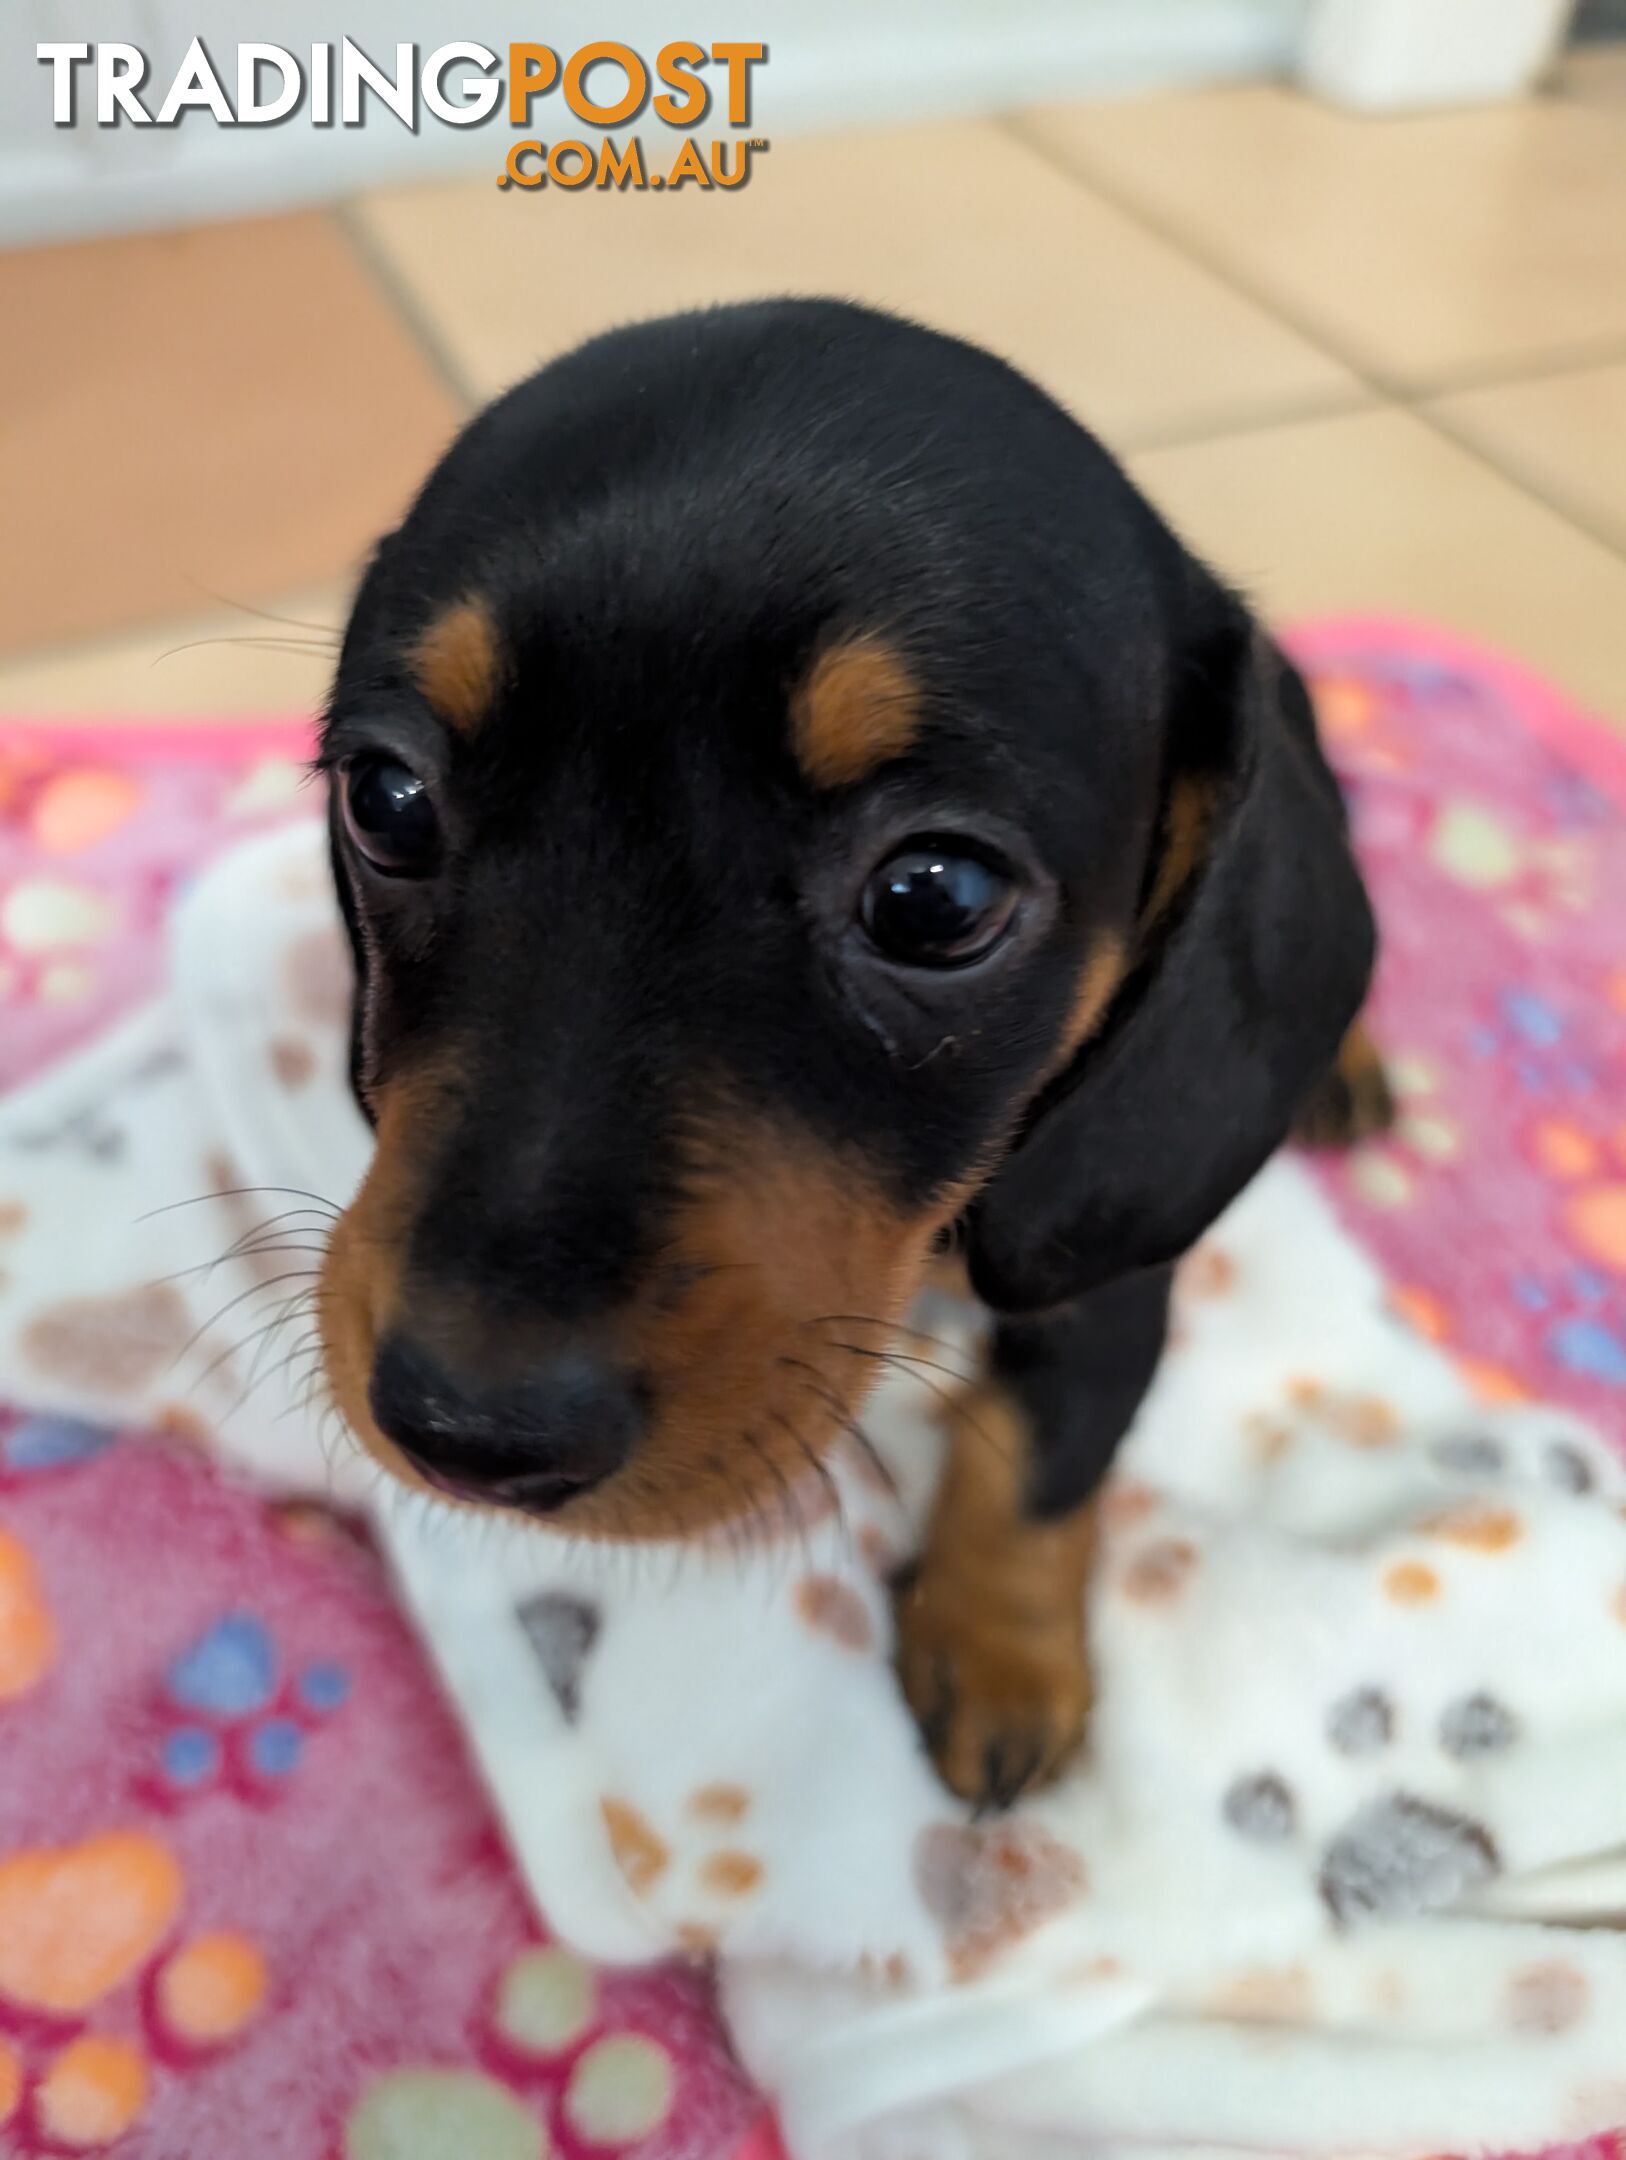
{"x":532,"y":1443}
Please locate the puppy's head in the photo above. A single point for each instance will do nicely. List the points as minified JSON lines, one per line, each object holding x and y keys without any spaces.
{"x":790,"y":797}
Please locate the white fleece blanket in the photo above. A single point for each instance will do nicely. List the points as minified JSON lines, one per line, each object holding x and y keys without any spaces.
{"x":1358,"y":1764}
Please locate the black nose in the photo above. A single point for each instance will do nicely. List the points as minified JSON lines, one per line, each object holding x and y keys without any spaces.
{"x":532,"y":1443}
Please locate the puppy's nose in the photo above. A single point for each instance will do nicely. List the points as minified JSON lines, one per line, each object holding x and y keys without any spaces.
{"x":532,"y":1443}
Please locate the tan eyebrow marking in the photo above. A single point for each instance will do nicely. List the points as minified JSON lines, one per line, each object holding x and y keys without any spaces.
{"x":456,"y":663}
{"x":858,"y":708}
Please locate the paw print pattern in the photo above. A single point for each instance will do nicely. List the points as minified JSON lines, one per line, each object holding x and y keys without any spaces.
{"x":834,"y":1610}
{"x":227,"y":1714}
{"x":1261,"y":1807}
{"x":1425,"y":1136}
{"x":1530,"y":878}
{"x":1361,"y":1722}
{"x":559,"y":2056}
{"x":718,"y":1879}
{"x":53,"y":934}
{"x":88,"y":1931}
{"x":1547,"y":1999}
{"x":32,"y":1446}
{"x":1429,"y":1316}
{"x":620,"y":2091}
{"x":614,"y":2097}
{"x":114,"y":1344}
{"x":1581,"y":1310}
{"x":1156,"y":1573}
{"x":562,"y":1631}
{"x":1357,"y":1420}
{"x":547,"y":2002}
{"x":27,"y":1631}
{"x":990,"y":1885}
{"x":1477,"y":1725}
{"x":92,"y":2092}
{"x":13,"y":1221}
{"x":1469,"y":1454}
{"x":437,"y":2113}
{"x":1401,"y":1855}
{"x":1207,"y":1272}
{"x":1531,"y":1034}
{"x":127,"y":1881}
{"x":209,"y":1991}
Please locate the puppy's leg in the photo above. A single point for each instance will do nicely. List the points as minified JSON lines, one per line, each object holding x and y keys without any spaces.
{"x":991,"y":1647}
{"x":1353,"y":1102}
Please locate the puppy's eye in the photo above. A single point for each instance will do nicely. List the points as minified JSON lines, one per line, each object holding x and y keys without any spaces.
{"x":937,"y":906}
{"x":390,"y":817}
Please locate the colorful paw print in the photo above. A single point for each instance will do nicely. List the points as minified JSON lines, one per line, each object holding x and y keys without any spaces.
{"x":1430,"y":1316}
{"x":30,"y":1446}
{"x":555,"y":2056}
{"x":52,"y":934}
{"x":1534,"y":1037}
{"x":1530,"y":880}
{"x":1385,"y":1173}
{"x":229,"y":1714}
{"x":83,"y":1933}
{"x":66,"y":811}
{"x":1355,"y":720}
{"x":27,"y":1631}
{"x":550,"y":2024}
{"x":1582,"y":1310}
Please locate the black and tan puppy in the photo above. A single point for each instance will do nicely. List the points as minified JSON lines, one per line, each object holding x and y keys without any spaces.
{"x":795,"y":805}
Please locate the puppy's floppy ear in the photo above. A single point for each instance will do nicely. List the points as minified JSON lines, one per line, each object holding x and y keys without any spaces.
{"x":1256,"y":948}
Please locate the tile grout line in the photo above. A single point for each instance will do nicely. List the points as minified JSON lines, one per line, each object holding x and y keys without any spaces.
{"x":1581,"y":521}
{"x":1389,"y":395}
{"x":1088,"y":176}
{"x":1291,"y":411}
{"x":1557,"y":360}
{"x":1553,"y":365}
{"x":404,"y":306}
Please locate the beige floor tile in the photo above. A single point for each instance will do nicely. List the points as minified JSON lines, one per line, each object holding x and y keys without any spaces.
{"x":1377,"y":512}
{"x":1426,"y":249}
{"x":957,"y":223}
{"x":194,"y":417}
{"x":1563,"y":436}
{"x":211,"y":666}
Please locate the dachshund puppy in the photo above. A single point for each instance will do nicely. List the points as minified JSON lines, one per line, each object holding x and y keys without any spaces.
{"x":797,"y":808}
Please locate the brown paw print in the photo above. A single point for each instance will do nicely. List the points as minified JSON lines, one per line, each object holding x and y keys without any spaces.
{"x":989,"y":1887}
{"x":1001,"y":1695}
{"x":1363,"y":1421}
{"x":715,"y":1881}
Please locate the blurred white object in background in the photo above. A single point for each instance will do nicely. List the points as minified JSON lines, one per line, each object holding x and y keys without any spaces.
{"x":1387,"y":55}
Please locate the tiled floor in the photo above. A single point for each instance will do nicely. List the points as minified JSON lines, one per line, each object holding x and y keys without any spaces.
{"x":1364,"y":364}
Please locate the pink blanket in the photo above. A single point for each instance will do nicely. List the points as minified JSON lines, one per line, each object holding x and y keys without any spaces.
{"x":250,"y":1895}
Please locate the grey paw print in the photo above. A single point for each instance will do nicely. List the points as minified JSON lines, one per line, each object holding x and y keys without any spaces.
{"x":1403,"y":1855}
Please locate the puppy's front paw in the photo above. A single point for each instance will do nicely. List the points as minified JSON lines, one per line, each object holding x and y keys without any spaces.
{"x":1001,"y":1694}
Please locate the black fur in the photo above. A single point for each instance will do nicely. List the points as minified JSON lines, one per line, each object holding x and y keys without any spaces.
{"x":642,"y":893}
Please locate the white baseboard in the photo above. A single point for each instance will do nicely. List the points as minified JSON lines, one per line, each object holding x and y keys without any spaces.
{"x":1403,"y":55}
